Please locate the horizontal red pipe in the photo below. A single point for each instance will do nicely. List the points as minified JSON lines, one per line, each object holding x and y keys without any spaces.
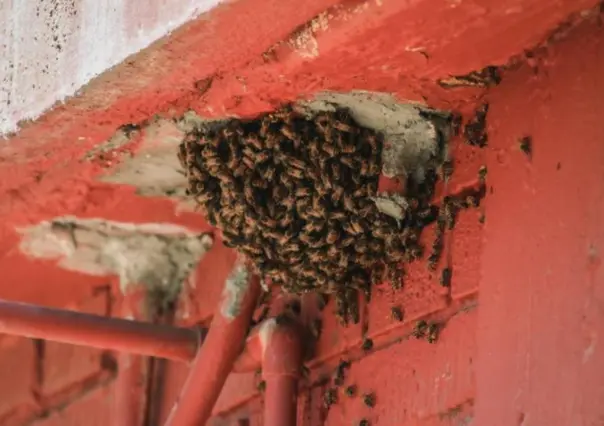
{"x":224,"y":342}
{"x":116,"y":334}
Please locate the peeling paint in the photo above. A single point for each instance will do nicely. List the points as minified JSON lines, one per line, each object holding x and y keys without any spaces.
{"x":235,"y":288}
{"x":157,"y":255}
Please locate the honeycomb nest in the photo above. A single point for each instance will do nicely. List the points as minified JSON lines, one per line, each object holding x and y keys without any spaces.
{"x":297,"y":196}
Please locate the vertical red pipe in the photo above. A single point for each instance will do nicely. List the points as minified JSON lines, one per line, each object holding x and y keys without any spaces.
{"x":221,"y":347}
{"x":281,"y":363}
{"x":276,"y":346}
{"x":280,"y":401}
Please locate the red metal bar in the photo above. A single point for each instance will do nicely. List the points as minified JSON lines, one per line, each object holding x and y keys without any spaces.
{"x":95,"y":331}
{"x":221,"y":347}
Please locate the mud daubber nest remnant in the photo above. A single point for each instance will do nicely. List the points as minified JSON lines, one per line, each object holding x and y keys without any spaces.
{"x":296,"y":194}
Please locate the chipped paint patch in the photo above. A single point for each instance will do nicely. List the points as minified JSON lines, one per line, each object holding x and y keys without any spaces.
{"x":157,"y":255}
{"x":235,"y":289}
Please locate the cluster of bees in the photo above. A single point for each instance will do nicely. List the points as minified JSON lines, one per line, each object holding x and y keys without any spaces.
{"x":294,"y":194}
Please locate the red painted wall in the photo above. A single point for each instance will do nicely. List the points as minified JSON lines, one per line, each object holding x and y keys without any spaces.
{"x":524,"y":320}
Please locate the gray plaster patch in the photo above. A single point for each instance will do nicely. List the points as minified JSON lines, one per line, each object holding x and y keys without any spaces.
{"x":154,"y":170}
{"x":413,"y":133}
{"x":158,"y":255}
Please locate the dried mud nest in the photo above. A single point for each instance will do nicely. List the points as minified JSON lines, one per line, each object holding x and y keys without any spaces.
{"x":297,"y":195}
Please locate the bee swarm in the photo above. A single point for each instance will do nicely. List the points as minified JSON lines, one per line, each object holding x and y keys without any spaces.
{"x":295,"y":195}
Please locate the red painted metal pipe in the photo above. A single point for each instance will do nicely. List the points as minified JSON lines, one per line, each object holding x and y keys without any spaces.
{"x":95,"y":331}
{"x":276,"y":346}
{"x":221,"y":347}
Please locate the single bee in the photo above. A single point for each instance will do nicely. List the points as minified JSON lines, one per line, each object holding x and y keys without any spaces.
{"x":303,"y":192}
{"x":343,"y":262}
{"x":343,"y":127}
{"x":348,"y":241}
{"x":376,"y":246}
{"x":348,"y":161}
{"x":335,"y":171}
{"x":316,"y":327}
{"x":326,"y":184}
{"x":348,"y":204}
{"x":330,"y":397}
{"x":248,"y":162}
{"x":445,"y":277}
{"x":421,"y":327}
{"x":337,"y":194}
{"x":313,"y":149}
{"x":286,"y":221}
{"x":472,"y":201}
{"x":288,"y":133}
{"x":373,"y":142}
{"x":204,"y":198}
{"x":297,"y":164}
{"x":369,"y":399}
{"x":261,"y":157}
{"x":354,"y":226}
{"x":446,"y":169}
{"x":526,"y":145}
{"x":395,"y":276}
{"x":307,"y":272}
{"x":253,"y":249}
{"x":332,"y":236}
{"x":295,"y":173}
{"x":321,"y":280}
{"x":374,"y":169}
{"x":351,"y":391}
{"x":482,"y":218}
{"x":254,"y":141}
{"x":330,"y":149}
{"x":291,"y":248}
{"x":333,"y":251}
{"x":397,"y":313}
{"x":336,"y":217}
{"x":340,"y":372}
{"x":450,"y":213}
{"x":360,"y":193}
{"x":271,"y":141}
{"x":432,"y":333}
{"x":482,"y":174}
